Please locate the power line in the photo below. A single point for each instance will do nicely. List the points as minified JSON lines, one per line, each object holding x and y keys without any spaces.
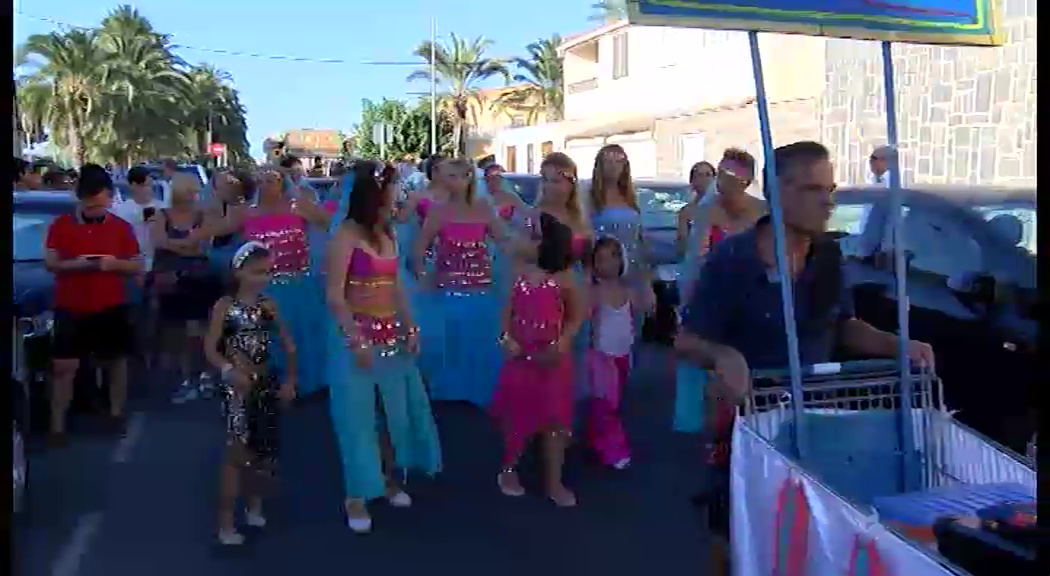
{"x":236,"y":53}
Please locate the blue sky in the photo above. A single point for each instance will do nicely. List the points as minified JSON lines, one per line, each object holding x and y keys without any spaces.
{"x":282,"y":95}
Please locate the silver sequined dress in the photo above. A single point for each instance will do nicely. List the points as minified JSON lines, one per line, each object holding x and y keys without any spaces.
{"x":248,"y":333}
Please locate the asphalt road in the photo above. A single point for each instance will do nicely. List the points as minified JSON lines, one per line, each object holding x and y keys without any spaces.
{"x":145,"y":504}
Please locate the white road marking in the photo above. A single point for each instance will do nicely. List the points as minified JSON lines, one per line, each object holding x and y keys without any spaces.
{"x":124,"y":448}
{"x":69,"y":557}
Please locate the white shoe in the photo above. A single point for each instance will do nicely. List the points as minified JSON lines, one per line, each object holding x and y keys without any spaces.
{"x":622,"y":463}
{"x":230,"y":537}
{"x":400,"y":499}
{"x":254,"y":519}
{"x":359,"y":525}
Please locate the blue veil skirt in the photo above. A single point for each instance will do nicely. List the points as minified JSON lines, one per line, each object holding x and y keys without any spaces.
{"x":689,"y":398}
{"x":464,"y":364}
{"x":406,"y":414}
{"x":300,"y":299}
{"x":421,"y":302}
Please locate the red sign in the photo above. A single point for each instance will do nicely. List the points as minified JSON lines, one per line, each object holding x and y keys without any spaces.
{"x":217,"y":149}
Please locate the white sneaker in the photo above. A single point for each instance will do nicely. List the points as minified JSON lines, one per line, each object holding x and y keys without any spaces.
{"x":400,"y":499}
{"x":254,"y":519}
{"x":622,"y":463}
{"x":230,"y":537}
{"x":359,"y":525}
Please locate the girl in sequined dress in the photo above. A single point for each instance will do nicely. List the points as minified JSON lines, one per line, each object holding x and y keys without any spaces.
{"x":462,"y":302}
{"x":732,"y":210}
{"x":559,"y":197}
{"x":373,"y":348}
{"x":535,"y":392}
{"x":242,"y":333}
{"x":612,"y":336}
{"x":282,"y":224}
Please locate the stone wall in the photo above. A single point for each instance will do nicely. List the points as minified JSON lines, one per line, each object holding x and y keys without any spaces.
{"x":732,"y":127}
{"x":965,"y":115}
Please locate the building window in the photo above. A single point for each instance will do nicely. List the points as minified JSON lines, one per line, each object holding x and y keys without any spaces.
{"x":546,"y":148}
{"x":511,"y":159}
{"x":518,"y":121}
{"x":530,"y":157}
{"x":620,"y":55}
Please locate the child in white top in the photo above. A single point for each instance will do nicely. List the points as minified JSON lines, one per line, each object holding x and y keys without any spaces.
{"x":609,"y":357}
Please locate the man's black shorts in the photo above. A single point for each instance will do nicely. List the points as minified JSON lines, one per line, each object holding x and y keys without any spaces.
{"x":104,"y":335}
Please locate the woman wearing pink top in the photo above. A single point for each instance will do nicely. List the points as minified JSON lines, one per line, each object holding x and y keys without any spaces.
{"x":282,"y":223}
{"x":460,"y":300}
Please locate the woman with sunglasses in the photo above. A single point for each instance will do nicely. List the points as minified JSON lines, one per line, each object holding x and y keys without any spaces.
{"x":730,"y":210}
{"x":281,"y":221}
{"x":615,"y":212}
{"x":461,"y":296}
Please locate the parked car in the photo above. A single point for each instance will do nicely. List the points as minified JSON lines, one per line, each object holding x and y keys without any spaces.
{"x":972,"y":290}
{"x":32,"y":305}
{"x":527,"y":186}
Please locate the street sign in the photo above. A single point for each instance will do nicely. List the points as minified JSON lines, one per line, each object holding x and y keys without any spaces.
{"x":217,"y":149}
{"x":381,"y":133}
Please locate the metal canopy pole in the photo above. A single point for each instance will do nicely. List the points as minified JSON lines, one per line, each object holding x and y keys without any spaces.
{"x":783,"y":264}
{"x":900,"y":272}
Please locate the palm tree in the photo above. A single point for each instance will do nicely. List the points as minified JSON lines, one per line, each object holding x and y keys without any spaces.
{"x":609,"y":10}
{"x":120,"y":94}
{"x":73,"y":65}
{"x":460,"y":68}
{"x":540,"y":75}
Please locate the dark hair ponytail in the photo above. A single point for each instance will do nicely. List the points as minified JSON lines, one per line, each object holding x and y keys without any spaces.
{"x":555,"y":250}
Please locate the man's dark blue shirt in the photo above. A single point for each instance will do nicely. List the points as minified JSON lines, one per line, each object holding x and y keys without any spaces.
{"x":736,"y":302}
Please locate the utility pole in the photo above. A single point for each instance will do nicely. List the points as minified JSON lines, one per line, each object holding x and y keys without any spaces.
{"x":433,"y":86}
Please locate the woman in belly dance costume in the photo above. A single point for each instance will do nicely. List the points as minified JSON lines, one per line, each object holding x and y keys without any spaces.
{"x":731,"y":210}
{"x":462,"y":297}
{"x":410,"y":218}
{"x":281,"y":223}
{"x":242,"y":333}
{"x":507,"y":205}
{"x":535,"y":394}
{"x":377,"y":343}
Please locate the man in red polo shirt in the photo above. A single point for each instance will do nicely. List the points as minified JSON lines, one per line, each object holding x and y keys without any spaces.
{"x":91,"y":255}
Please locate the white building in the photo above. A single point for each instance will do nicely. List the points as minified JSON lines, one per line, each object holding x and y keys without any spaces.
{"x":672,"y":97}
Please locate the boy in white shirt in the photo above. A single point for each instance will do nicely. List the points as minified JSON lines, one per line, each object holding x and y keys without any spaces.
{"x":138,"y":209}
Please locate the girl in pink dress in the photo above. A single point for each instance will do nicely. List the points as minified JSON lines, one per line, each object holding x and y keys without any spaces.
{"x":535,"y":391}
{"x":612,"y":334}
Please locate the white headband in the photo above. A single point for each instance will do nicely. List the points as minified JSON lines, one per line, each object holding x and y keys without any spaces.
{"x":244,"y":252}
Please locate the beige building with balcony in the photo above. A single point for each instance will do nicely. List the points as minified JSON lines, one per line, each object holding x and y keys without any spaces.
{"x":673,"y":96}
{"x":486,"y":118}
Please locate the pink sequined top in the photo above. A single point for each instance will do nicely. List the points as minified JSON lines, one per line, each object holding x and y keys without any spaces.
{"x":423,"y":208}
{"x":461,"y":256}
{"x":285,"y":235}
{"x":537,"y":314}
{"x":371,"y":282}
{"x":579,"y":245}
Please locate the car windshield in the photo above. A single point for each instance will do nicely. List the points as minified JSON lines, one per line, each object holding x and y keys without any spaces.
{"x":1027,"y":216}
{"x":527,"y":187}
{"x":29,"y":229}
{"x":660,"y":204}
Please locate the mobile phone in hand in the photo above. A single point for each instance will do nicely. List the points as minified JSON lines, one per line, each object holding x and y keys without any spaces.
{"x":92,"y":257}
{"x":148,"y":212}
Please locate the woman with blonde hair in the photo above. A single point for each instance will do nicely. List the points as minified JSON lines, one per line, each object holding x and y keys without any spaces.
{"x":185,"y":284}
{"x":615,"y":212}
{"x":461,"y":296}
